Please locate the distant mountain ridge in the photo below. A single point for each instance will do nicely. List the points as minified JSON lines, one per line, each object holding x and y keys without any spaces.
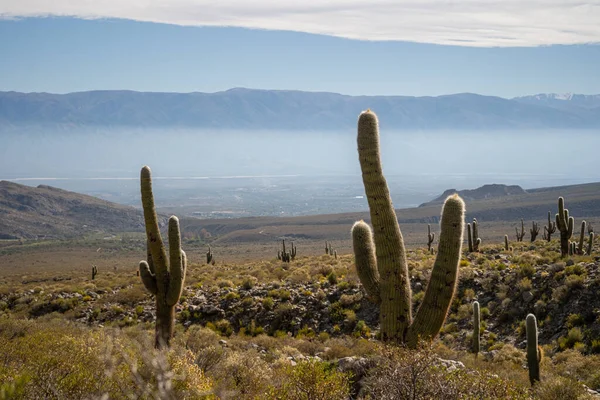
{"x":481,"y":193}
{"x":294,"y":110}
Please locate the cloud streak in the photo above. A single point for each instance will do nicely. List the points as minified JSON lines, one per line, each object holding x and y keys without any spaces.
{"x":481,"y":23}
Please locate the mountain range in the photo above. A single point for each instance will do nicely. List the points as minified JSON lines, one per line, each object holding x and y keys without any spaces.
{"x":294,"y":110}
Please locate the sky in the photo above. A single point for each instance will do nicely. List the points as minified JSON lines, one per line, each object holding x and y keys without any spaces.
{"x":389,"y":47}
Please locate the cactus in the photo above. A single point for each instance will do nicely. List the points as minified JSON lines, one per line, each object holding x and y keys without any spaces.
{"x":534,"y":231}
{"x":472,"y":237}
{"x":286,"y":256}
{"x":581,"y":238}
{"x":293,"y":252}
{"x":330,"y":250}
{"x":590,"y":244}
{"x":380,"y":256}
{"x":335,"y":254}
{"x":549,"y":229}
{"x":572,"y":248}
{"x":565,"y":224}
{"x":326,"y":248}
{"x":209,"y":256}
{"x":476,"y":327}
{"x":430,"y":238}
{"x":534,"y":354}
{"x":520,"y":235}
{"x":162,"y":277}
{"x":506,"y":242}
{"x":94,"y":272}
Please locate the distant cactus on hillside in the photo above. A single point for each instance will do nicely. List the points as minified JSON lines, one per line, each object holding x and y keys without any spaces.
{"x":565,"y":224}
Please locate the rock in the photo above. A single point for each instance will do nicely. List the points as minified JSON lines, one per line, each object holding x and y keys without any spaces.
{"x":451,"y":365}
{"x":223,"y":342}
{"x":527,"y":296}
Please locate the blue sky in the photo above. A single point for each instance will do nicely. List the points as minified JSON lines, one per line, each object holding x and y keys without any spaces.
{"x":66,"y":54}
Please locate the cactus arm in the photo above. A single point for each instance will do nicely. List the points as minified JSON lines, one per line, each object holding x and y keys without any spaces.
{"x":365,"y":261}
{"x":442,"y":285}
{"x":148,"y":278}
{"x":533,"y":358}
{"x":157,"y":248}
{"x":176,"y":263}
{"x":395,"y":309}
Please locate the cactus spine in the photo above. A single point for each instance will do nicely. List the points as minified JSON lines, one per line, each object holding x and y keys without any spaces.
{"x":506,"y":242}
{"x":385,"y":273}
{"x":430,"y":238}
{"x":581,"y":238}
{"x":94,"y":272}
{"x":534,"y":231}
{"x":520,"y":235}
{"x":590,"y":244}
{"x":476,"y":327}
{"x":565,"y":224}
{"x":534,"y":354}
{"x":162,"y":277}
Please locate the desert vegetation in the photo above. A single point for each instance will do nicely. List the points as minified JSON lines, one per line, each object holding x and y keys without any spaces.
{"x":498,"y":319}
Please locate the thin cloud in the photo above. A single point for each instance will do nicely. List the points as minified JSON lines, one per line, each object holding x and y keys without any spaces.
{"x":482,"y":23}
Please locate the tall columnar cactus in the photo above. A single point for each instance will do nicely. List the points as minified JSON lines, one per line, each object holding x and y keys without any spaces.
{"x":293,"y":252}
{"x":520,"y":235}
{"x":581,"y":238}
{"x":506,"y":242}
{"x":534,"y":231}
{"x":572,"y":248}
{"x":380,"y":256}
{"x":430,"y":238}
{"x":549,"y":229}
{"x":476,"y":327}
{"x":534,"y":354}
{"x":326,"y":248}
{"x":590,"y":244}
{"x":209,"y":256}
{"x":565,"y":224}
{"x":162,"y":277}
{"x":94,"y":272}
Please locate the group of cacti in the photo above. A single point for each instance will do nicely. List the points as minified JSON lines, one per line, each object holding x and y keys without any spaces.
{"x":286,"y":256}
{"x":473,"y":238}
{"x":521,"y":234}
{"x":329,"y":250}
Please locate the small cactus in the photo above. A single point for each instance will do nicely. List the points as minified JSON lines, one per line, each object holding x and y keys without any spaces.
{"x":534,"y":354}
{"x":549,"y":229}
{"x":565,"y":224}
{"x":162,"y":277}
{"x":581,"y":238}
{"x":520,"y":235}
{"x":94,"y":272}
{"x":506,"y":243}
{"x":209,"y":256}
{"x":590,"y":244}
{"x":326,"y":248}
{"x":572,"y":248}
{"x":430,"y":238}
{"x":534,"y":231}
{"x":476,"y":327}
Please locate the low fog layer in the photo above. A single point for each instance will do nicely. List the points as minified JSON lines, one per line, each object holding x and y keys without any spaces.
{"x":426,"y":162}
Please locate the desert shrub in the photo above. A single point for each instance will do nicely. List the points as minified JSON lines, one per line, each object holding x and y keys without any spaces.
{"x":309,"y":380}
{"x":249,"y":282}
{"x":242,"y":376}
{"x":560,"y":388}
{"x":419,"y":374}
{"x":268,"y":303}
{"x":574,"y":281}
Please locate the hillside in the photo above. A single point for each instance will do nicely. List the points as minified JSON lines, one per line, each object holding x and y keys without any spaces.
{"x":275,"y":109}
{"x":45,"y":211}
